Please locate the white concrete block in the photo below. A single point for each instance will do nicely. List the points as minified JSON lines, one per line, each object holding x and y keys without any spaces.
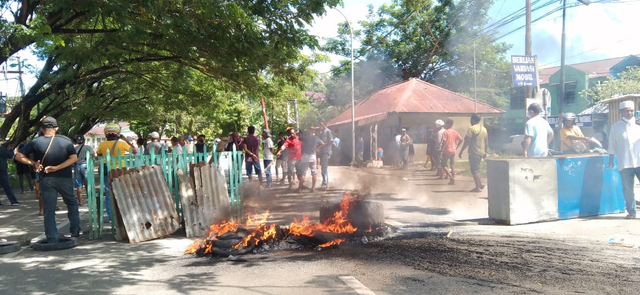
{"x":522,"y":190}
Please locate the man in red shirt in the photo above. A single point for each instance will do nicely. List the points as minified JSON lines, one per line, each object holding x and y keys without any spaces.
{"x":451,"y":139}
{"x":294,"y":151}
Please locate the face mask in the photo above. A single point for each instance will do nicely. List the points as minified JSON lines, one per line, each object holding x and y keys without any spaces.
{"x":628,"y":121}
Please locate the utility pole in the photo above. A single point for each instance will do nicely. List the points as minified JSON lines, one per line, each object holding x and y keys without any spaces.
{"x":527,"y":50}
{"x":475,"y":80}
{"x":562,"y":53}
{"x":22,"y":93}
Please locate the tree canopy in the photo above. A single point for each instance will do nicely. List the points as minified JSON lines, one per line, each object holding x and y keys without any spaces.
{"x":628,"y":83}
{"x":154,"y":62}
{"x":430,"y":40}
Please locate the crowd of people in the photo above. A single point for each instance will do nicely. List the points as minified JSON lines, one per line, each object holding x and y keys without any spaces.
{"x":443,"y":143}
{"x":54,"y":165}
{"x":294,"y":155}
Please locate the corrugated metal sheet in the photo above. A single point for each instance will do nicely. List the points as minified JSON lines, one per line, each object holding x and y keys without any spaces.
{"x":205,"y":199}
{"x":596,"y":109}
{"x":614,"y":105}
{"x":145,"y":204}
{"x":413,"y":96}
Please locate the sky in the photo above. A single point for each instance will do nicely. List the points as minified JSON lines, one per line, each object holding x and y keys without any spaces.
{"x":597,"y":31}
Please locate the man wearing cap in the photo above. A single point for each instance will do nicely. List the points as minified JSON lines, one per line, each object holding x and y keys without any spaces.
{"x":537,"y":133}
{"x":267,"y":155}
{"x":55,"y":156}
{"x":117,"y":145}
{"x":624,"y":142}
{"x":405,"y":141}
{"x":437,"y":151}
{"x":154,"y":145}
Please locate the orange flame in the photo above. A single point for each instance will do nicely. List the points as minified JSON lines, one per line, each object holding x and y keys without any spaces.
{"x":331,"y":243}
{"x":259,"y":231}
{"x":338,"y":223}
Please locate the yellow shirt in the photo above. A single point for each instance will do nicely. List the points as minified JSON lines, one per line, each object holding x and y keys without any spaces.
{"x":567,"y":143}
{"x":121,"y":149}
{"x":477,"y":133}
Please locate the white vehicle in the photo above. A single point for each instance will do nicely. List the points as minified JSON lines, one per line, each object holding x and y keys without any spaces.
{"x":514,"y":145}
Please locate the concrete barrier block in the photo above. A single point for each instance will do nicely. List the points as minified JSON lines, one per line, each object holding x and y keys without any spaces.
{"x":522,"y":190}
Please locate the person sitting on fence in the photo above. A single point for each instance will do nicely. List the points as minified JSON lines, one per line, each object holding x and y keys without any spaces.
{"x":154,"y":145}
{"x":117,"y":145}
{"x":80,"y":168}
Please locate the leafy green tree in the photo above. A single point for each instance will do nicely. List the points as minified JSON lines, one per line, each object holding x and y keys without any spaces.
{"x":140,"y":60}
{"x":628,"y":83}
{"x":429,"y":40}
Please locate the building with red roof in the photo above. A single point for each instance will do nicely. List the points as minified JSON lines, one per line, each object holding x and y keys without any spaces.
{"x":412,"y":104}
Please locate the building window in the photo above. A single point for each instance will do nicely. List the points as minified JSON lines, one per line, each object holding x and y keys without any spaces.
{"x":570,"y":93}
{"x":517,"y":99}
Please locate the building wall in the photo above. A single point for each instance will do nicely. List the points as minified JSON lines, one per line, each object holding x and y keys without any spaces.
{"x":572,"y":75}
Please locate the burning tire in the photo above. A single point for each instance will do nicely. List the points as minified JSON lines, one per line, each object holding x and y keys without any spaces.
{"x":63,"y":243}
{"x":8,"y":247}
{"x":362,"y":214}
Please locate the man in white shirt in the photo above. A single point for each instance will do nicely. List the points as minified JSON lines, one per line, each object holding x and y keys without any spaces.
{"x":267,"y":154}
{"x":537,"y":134}
{"x":624,"y":141}
{"x":177,"y":147}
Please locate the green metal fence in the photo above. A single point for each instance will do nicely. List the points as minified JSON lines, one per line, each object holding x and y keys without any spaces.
{"x":231,"y":162}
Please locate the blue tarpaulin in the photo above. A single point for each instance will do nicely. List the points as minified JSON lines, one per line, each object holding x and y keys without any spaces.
{"x":587,"y":187}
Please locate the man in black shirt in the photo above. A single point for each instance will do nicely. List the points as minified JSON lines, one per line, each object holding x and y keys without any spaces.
{"x":200,"y":144}
{"x":55,"y":156}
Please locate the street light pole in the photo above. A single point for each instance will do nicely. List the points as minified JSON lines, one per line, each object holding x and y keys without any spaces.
{"x":353,"y":112}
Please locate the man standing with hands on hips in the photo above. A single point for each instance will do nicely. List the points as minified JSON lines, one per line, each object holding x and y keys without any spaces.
{"x":624,"y":141}
{"x":55,"y":156}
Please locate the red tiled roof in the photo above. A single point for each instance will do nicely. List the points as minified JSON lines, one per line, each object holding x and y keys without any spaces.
{"x":315,"y":96}
{"x":595,"y":69}
{"x":412,"y":96}
{"x":99,"y":129}
{"x":545,"y":74}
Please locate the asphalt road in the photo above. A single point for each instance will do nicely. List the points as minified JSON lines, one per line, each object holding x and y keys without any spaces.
{"x":427,"y":255}
{"x":473,"y":259}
